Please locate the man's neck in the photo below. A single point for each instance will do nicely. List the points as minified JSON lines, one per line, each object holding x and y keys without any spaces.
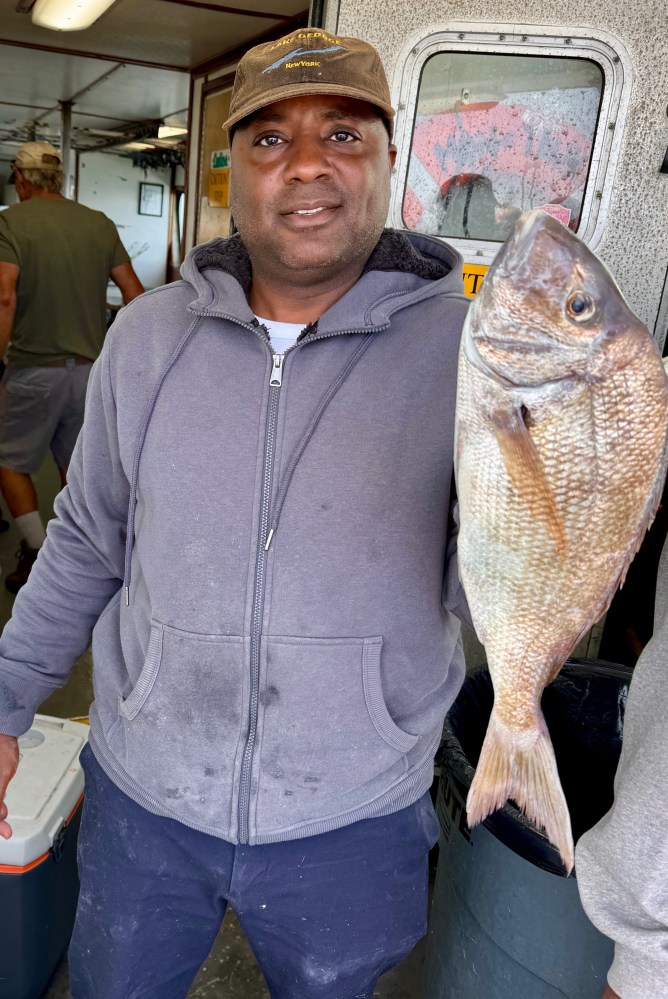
{"x":297,"y":304}
{"x":39,"y":192}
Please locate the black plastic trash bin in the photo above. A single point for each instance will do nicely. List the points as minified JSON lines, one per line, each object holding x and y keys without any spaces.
{"x":506,"y":923}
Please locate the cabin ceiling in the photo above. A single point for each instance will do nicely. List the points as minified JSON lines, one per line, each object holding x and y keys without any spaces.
{"x":126,"y":74}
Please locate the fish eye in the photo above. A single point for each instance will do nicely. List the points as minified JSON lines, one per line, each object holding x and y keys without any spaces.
{"x":580,"y":306}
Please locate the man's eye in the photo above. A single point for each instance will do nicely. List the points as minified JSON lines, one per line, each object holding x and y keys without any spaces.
{"x":268,"y":140}
{"x":343,"y":136}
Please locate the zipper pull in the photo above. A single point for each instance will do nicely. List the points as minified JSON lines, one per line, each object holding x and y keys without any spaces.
{"x":276,"y":379}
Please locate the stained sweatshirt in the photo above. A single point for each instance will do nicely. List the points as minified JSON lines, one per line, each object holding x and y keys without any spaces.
{"x":262,"y":548}
{"x":622,"y":863}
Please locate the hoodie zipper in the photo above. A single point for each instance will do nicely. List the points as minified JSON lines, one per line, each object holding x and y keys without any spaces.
{"x":265,"y":538}
{"x":275,"y":383}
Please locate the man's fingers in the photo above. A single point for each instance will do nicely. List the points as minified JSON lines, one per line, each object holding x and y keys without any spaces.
{"x":9,"y":761}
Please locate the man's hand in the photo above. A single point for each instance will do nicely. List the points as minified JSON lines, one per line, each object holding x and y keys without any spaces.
{"x":9,"y":761}
{"x":609,"y":994}
{"x":9,"y":275}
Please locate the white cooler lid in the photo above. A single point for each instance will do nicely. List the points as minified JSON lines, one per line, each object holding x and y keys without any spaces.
{"x":45,"y":789}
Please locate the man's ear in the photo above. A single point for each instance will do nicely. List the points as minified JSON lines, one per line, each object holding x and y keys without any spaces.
{"x":392,"y":153}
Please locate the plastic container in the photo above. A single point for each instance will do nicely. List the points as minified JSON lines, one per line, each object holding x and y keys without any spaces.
{"x":506,"y":922}
{"x":39,"y":884}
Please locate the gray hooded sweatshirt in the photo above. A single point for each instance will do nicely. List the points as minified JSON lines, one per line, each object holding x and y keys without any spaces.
{"x":622,"y":863}
{"x":262,"y":550}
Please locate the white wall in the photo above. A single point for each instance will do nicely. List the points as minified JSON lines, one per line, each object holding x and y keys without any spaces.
{"x":110,"y":183}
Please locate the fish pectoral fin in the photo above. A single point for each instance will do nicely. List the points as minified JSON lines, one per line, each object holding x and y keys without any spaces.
{"x":527,"y":474}
{"x":521,"y":765}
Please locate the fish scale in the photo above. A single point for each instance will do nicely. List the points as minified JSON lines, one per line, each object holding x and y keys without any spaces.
{"x":561,"y":429}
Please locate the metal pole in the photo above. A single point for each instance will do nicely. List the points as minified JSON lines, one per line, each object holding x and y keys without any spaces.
{"x":316,"y":14}
{"x":66,"y":142}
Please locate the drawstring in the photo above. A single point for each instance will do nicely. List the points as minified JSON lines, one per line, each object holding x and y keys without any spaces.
{"x":310,"y":430}
{"x":130,"y":530}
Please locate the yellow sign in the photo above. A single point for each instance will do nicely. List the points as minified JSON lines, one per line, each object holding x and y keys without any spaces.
{"x":219,"y":188}
{"x":473,"y":275}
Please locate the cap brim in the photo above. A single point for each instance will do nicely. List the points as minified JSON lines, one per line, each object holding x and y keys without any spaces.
{"x":305,"y":90}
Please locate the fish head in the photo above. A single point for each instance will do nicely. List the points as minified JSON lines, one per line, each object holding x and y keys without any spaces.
{"x":547,"y":307}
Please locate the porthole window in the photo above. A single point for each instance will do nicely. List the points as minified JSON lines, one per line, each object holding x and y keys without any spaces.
{"x":496,"y":134}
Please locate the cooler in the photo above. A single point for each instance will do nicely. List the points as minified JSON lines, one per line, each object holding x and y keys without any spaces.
{"x":39,"y":884}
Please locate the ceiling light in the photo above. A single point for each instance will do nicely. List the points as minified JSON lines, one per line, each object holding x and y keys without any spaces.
{"x":169,"y":131}
{"x":68,"y":15}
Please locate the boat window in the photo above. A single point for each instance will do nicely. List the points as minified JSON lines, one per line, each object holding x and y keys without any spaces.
{"x":497,"y":134}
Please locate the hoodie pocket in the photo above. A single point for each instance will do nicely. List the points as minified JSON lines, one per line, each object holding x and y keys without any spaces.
{"x":182,"y":722}
{"x":329,"y":743}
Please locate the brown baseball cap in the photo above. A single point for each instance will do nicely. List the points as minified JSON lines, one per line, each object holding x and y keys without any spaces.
{"x":308,"y":61}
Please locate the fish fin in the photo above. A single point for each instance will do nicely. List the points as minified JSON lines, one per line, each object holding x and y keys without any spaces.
{"x":526,"y":473}
{"x":521,"y":765}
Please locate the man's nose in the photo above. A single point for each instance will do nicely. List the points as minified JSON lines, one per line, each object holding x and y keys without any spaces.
{"x":307,"y":159}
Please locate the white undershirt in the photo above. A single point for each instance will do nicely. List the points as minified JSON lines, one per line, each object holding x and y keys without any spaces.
{"x":282,"y":335}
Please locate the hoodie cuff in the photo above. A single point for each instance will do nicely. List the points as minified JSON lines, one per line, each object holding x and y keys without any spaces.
{"x":637,"y":976}
{"x":19,"y":700}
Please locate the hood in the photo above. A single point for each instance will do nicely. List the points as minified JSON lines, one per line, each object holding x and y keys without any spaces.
{"x":402,"y":268}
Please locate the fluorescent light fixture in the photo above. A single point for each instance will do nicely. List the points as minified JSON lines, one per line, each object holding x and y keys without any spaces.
{"x":68,"y":15}
{"x":169,"y":131}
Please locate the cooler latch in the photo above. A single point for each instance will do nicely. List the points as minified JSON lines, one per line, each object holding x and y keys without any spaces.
{"x":58,"y":847}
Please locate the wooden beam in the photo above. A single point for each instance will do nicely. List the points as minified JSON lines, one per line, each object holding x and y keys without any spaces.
{"x":93,"y":55}
{"x":242,"y":12}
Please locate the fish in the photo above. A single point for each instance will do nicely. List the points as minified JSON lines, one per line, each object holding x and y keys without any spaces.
{"x":561,"y":432}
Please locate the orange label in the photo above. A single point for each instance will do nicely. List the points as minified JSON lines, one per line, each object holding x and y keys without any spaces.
{"x":473,"y":275}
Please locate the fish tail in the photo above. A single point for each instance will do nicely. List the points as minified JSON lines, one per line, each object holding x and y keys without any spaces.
{"x":521,"y":765}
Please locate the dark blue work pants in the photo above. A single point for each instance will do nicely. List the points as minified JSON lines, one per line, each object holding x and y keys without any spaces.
{"x":325,"y":915}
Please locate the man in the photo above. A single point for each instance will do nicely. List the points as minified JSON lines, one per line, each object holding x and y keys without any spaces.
{"x":56,"y":258}
{"x":272,"y":674}
{"x":622,"y":863}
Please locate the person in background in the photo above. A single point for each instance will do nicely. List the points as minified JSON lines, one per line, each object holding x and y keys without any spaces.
{"x":56,"y":259}
{"x":622,"y":863}
{"x":257,"y":525}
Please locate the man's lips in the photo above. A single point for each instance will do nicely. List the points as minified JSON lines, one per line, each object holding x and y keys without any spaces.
{"x":308,"y":216}
{"x":310,"y":209}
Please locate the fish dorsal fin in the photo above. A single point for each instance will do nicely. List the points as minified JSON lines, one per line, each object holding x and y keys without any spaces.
{"x":526,"y":473}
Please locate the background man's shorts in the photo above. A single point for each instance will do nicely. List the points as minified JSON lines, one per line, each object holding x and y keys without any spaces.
{"x":41,"y":409}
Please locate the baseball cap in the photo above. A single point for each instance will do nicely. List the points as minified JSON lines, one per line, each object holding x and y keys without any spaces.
{"x":308,"y":61}
{"x":38,"y":156}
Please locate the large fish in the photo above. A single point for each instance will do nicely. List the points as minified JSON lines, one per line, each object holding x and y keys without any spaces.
{"x":561,"y":429}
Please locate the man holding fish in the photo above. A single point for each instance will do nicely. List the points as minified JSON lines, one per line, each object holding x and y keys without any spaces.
{"x":271,"y":672}
{"x":271,"y":675}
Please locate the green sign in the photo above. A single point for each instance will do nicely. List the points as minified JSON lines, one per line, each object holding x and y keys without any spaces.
{"x":220,"y":158}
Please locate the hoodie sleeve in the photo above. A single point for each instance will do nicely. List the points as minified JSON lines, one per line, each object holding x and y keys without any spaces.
{"x":79,"y":567}
{"x":622,"y":863}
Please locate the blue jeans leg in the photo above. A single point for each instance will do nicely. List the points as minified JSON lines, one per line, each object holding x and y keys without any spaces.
{"x":149,"y":906}
{"x":327,"y":915}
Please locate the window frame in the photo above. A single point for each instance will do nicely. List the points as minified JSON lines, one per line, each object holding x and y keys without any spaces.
{"x":523,"y":40}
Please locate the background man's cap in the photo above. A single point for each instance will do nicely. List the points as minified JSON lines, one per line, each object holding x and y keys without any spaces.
{"x":38,"y":156}
{"x":308,"y":61}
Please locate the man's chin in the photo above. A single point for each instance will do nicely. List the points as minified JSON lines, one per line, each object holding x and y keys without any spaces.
{"x":304,"y":267}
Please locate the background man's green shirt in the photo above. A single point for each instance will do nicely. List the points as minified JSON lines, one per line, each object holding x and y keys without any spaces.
{"x":65,"y":253}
